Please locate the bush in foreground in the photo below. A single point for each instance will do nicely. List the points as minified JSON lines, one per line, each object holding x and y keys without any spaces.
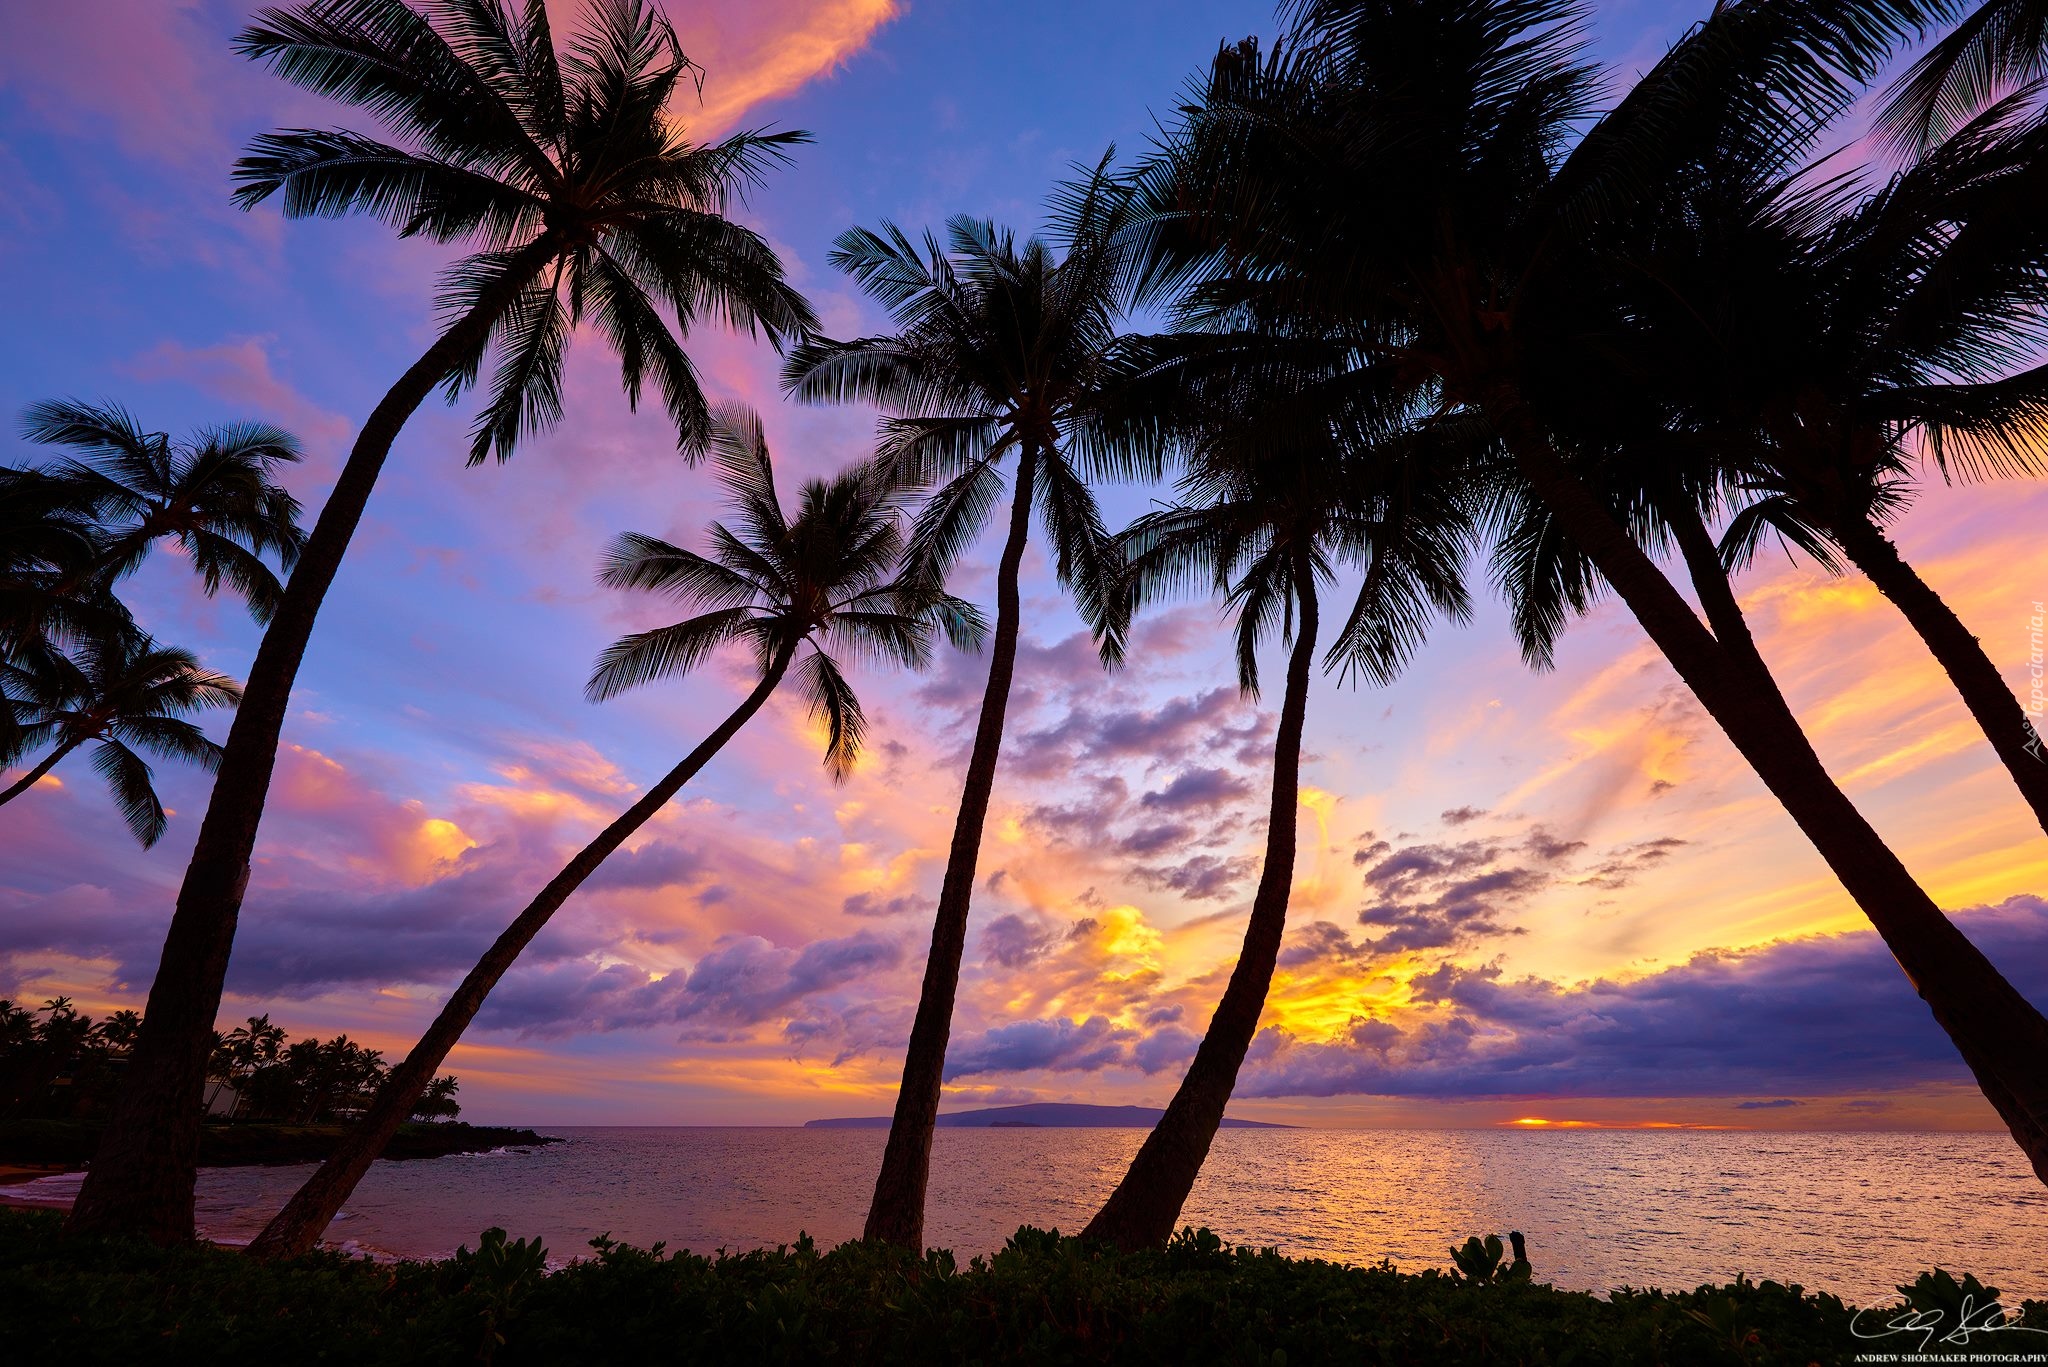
{"x":1043,"y":1299}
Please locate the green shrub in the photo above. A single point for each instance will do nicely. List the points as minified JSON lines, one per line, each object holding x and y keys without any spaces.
{"x":1042,"y":1299}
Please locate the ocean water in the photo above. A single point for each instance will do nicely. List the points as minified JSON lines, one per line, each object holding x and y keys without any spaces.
{"x":1849,"y":1213}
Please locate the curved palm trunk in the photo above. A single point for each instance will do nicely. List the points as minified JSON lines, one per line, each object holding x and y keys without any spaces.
{"x":296,"y":1228}
{"x":1731,"y":629}
{"x":140,"y":1181}
{"x":896,"y":1214}
{"x":1146,"y":1204}
{"x":2000,"y":1035}
{"x":49,"y":762}
{"x":2006,"y":724}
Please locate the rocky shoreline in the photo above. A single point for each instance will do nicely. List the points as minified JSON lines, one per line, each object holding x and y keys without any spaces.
{"x":55,"y":1145}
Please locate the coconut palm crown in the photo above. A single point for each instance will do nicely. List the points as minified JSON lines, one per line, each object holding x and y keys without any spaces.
{"x":819,"y":584}
{"x":564,"y":169}
{"x":215,"y":493}
{"x":124,"y":695}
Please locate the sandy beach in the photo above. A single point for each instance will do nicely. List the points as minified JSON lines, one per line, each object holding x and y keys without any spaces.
{"x":14,"y":1174}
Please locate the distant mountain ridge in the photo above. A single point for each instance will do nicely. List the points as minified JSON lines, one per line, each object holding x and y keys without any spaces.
{"x":1039,"y":1115}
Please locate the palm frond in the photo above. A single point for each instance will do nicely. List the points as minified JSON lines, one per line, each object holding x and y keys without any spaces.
{"x":832,"y":702}
{"x":663,"y":652}
{"x":128,"y":778}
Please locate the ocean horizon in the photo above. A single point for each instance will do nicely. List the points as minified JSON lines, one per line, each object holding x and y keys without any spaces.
{"x":1849,"y":1212}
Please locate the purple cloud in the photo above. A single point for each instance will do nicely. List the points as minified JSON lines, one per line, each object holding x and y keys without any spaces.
{"x":1813,"y":1016}
{"x":1057,"y":1045}
{"x":1197,"y":790}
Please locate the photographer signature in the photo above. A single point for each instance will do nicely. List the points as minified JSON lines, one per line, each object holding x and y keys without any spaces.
{"x":1970,"y":1319}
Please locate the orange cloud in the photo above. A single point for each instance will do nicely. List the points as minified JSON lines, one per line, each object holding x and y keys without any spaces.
{"x":777,"y":47}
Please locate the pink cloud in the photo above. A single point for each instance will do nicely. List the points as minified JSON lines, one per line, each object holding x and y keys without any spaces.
{"x":239,"y":371}
{"x":148,"y":71}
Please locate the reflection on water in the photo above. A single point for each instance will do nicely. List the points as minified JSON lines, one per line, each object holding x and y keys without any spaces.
{"x":1849,"y":1213}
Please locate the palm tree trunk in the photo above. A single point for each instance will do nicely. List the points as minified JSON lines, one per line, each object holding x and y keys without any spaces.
{"x":1731,"y":629}
{"x":896,"y":1215}
{"x":140,"y":1181}
{"x":2006,"y":724}
{"x":1145,"y":1206}
{"x":28,"y":780}
{"x":2001,"y":1036}
{"x":296,"y":1228}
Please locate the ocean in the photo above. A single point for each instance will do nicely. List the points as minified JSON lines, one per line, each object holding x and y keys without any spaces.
{"x":1853,"y":1214}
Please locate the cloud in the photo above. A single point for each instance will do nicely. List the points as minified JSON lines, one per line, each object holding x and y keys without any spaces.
{"x":1058,"y":1045}
{"x":1197,"y":790}
{"x":1151,"y":840}
{"x":1012,"y":941}
{"x":1199,"y":878}
{"x":240,"y":372}
{"x":871,"y":904}
{"x":1318,"y":942}
{"x":143,"y":69}
{"x":1216,"y":721}
{"x":657,"y":864}
{"x":744,"y":982}
{"x":777,"y":47}
{"x":1815,"y":1016}
{"x":1442,"y":895}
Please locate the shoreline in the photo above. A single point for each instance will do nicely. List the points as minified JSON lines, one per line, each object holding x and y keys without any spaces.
{"x":43,"y":1148}
{"x":21,"y":1174}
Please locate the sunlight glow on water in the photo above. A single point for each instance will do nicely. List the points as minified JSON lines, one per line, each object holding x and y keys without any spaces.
{"x":1849,"y":1213}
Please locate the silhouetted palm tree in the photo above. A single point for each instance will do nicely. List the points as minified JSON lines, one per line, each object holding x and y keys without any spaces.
{"x":1405,"y":176}
{"x":123,"y":696}
{"x":118,"y":1030}
{"x":1825,"y":342}
{"x":215,"y":493}
{"x":1001,"y":350}
{"x":438,"y":1101}
{"x":1999,"y":48}
{"x":824,"y":581}
{"x":583,"y":200}
{"x":1279,"y":498}
{"x":47,"y":540}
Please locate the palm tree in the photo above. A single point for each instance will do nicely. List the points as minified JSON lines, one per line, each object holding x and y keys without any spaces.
{"x":47,"y":540}
{"x":118,"y":1029}
{"x":1463,"y":234}
{"x":581,"y":198}
{"x":1000,"y":351}
{"x":1999,"y":48}
{"x":75,"y":526}
{"x":1826,"y":352}
{"x":1275,"y":501}
{"x":214,"y":493}
{"x":123,"y":696}
{"x":438,"y":1101}
{"x":255,"y":1043}
{"x":779,"y":587}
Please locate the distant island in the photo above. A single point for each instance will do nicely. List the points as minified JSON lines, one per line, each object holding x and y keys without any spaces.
{"x":1039,"y":1114}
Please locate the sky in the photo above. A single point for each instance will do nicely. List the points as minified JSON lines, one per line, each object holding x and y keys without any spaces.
{"x":1519,"y":896}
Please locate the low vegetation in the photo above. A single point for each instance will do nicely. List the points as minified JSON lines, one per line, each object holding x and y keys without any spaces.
{"x":1042,"y":1299}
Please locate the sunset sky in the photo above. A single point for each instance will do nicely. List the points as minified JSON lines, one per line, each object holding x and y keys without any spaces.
{"x":1520,"y":896}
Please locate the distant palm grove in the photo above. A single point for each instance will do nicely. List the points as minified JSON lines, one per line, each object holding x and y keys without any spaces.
{"x":1440,"y":306}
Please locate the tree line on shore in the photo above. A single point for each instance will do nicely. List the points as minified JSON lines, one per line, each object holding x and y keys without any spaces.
{"x":1436,"y":304}
{"x":57,"y":1063}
